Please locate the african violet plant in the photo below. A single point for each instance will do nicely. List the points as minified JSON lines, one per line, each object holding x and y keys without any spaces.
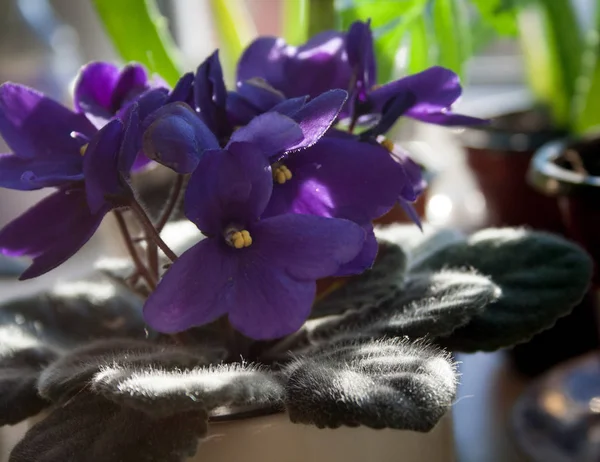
{"x":283,"y":177}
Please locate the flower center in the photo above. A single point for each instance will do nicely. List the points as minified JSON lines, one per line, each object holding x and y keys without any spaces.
{"x":238,"y":239}
{"x":387,"y":144}
{"x":83,"y":148}
{"x":281,"y":173}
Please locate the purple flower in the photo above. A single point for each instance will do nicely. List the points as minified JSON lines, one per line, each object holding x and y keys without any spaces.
{"x":177,"y":137}
{"x":336,"y":60}
{"x":54,"y":229}
{"x":260,"y":273}
{"x":56,"y":147}
{"x":45,"y":137}
{"x":319,"y":65}
{"x":103,"y":90}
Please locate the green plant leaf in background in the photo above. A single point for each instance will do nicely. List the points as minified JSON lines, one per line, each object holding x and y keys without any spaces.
{"x":235,"y":29}
{"x":139,"y":33}
{"x":421,"y":46}
{"x":451,"y":25}
{"x":586,"y":105}
{"x":499,"y":14}
{"x":295,"y":21}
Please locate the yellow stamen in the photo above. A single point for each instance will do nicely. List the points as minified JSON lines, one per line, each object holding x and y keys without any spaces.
{"x":387,"y":144}
{"x":239,"y":239}
{"x":375,"y":87}
{"x":83,"y":148}
{"x":281,"y":173}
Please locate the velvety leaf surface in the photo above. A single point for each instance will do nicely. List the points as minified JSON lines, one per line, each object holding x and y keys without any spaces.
{"x":93,"y":429}
{"x":19,"y":371}
{"x":369,"y":287}
{"x":428,"y":305}
{"x":541,"y":276}
{"x":379,"y":384}
{"x":81,"y":368}
{"x":76,"y":312}
{"x":159,"y":391}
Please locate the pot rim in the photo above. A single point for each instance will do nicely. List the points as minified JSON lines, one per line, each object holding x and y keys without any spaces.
{"x":549,"y":178}
{"x":506,"y":140}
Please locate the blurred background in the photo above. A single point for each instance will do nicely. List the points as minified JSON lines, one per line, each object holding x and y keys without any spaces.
{"x":43,"y":43}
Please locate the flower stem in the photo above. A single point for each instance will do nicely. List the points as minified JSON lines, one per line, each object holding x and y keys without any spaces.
{"x":141,"y":268}
{"x":171,"y":203}
{"x":151,"y":231}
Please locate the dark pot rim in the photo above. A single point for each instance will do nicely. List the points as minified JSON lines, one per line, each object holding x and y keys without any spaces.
{"x":509,"y":140}
{"x":546,"y":176}
{"x":227,"y":414}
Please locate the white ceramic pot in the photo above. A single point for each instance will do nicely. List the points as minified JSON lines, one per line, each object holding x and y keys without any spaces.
{"x":274,"y":438}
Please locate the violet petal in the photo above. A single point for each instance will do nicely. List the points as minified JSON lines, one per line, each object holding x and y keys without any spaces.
{"x":272,"y":133}
{"x":307,"y":247}
{"x":194,"y":291}
{"x":364,"y":260}
{"x":30,"y":174}
{"x":34,"y":125}
{"x":100,"y":165}
{"x":230,"y":186}
{"x":268,"y":303}
{"x":94,"y":87}
{"x":340,"y":178}
{"x":177,"y":138}
{"x":51,"y":231}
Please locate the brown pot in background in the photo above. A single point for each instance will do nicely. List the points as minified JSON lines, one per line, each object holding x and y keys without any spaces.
{"x":576,"y":193}
{"x":499,"y":156}
{"x":578,"y":199}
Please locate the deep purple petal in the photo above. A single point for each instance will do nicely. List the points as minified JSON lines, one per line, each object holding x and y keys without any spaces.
{"x":392,"y":111}
{"x":31,"y":174}
{"x":307,"y":247}
{"x":177,"y":138}
{"x":52,"y":231}
{"x":131,"y":142}
{"x":184,"y":90}
{"x":263,"y":59}
{"x":411,"y":212}
{"x":34,"y":125}
{"x":210,"y":96}
{"x":361,"y":56}
{"x":319,"y":65}
{"x":339,"y":178}
{"x":252,"y":98}
{"x":447,"y":118}
{"x":94,"y":88}
{"x":133,"y":81}
{"x":230,"y":186}
{"x":317,"y":116}
{"x":268,"y":303}
{"x":364,"y":260}
{"x":194,"y":291}
{"x":100,"y":165}
{"x":291,"y":106}
{"x":435,"y":88}
{"x":271,"y":132}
